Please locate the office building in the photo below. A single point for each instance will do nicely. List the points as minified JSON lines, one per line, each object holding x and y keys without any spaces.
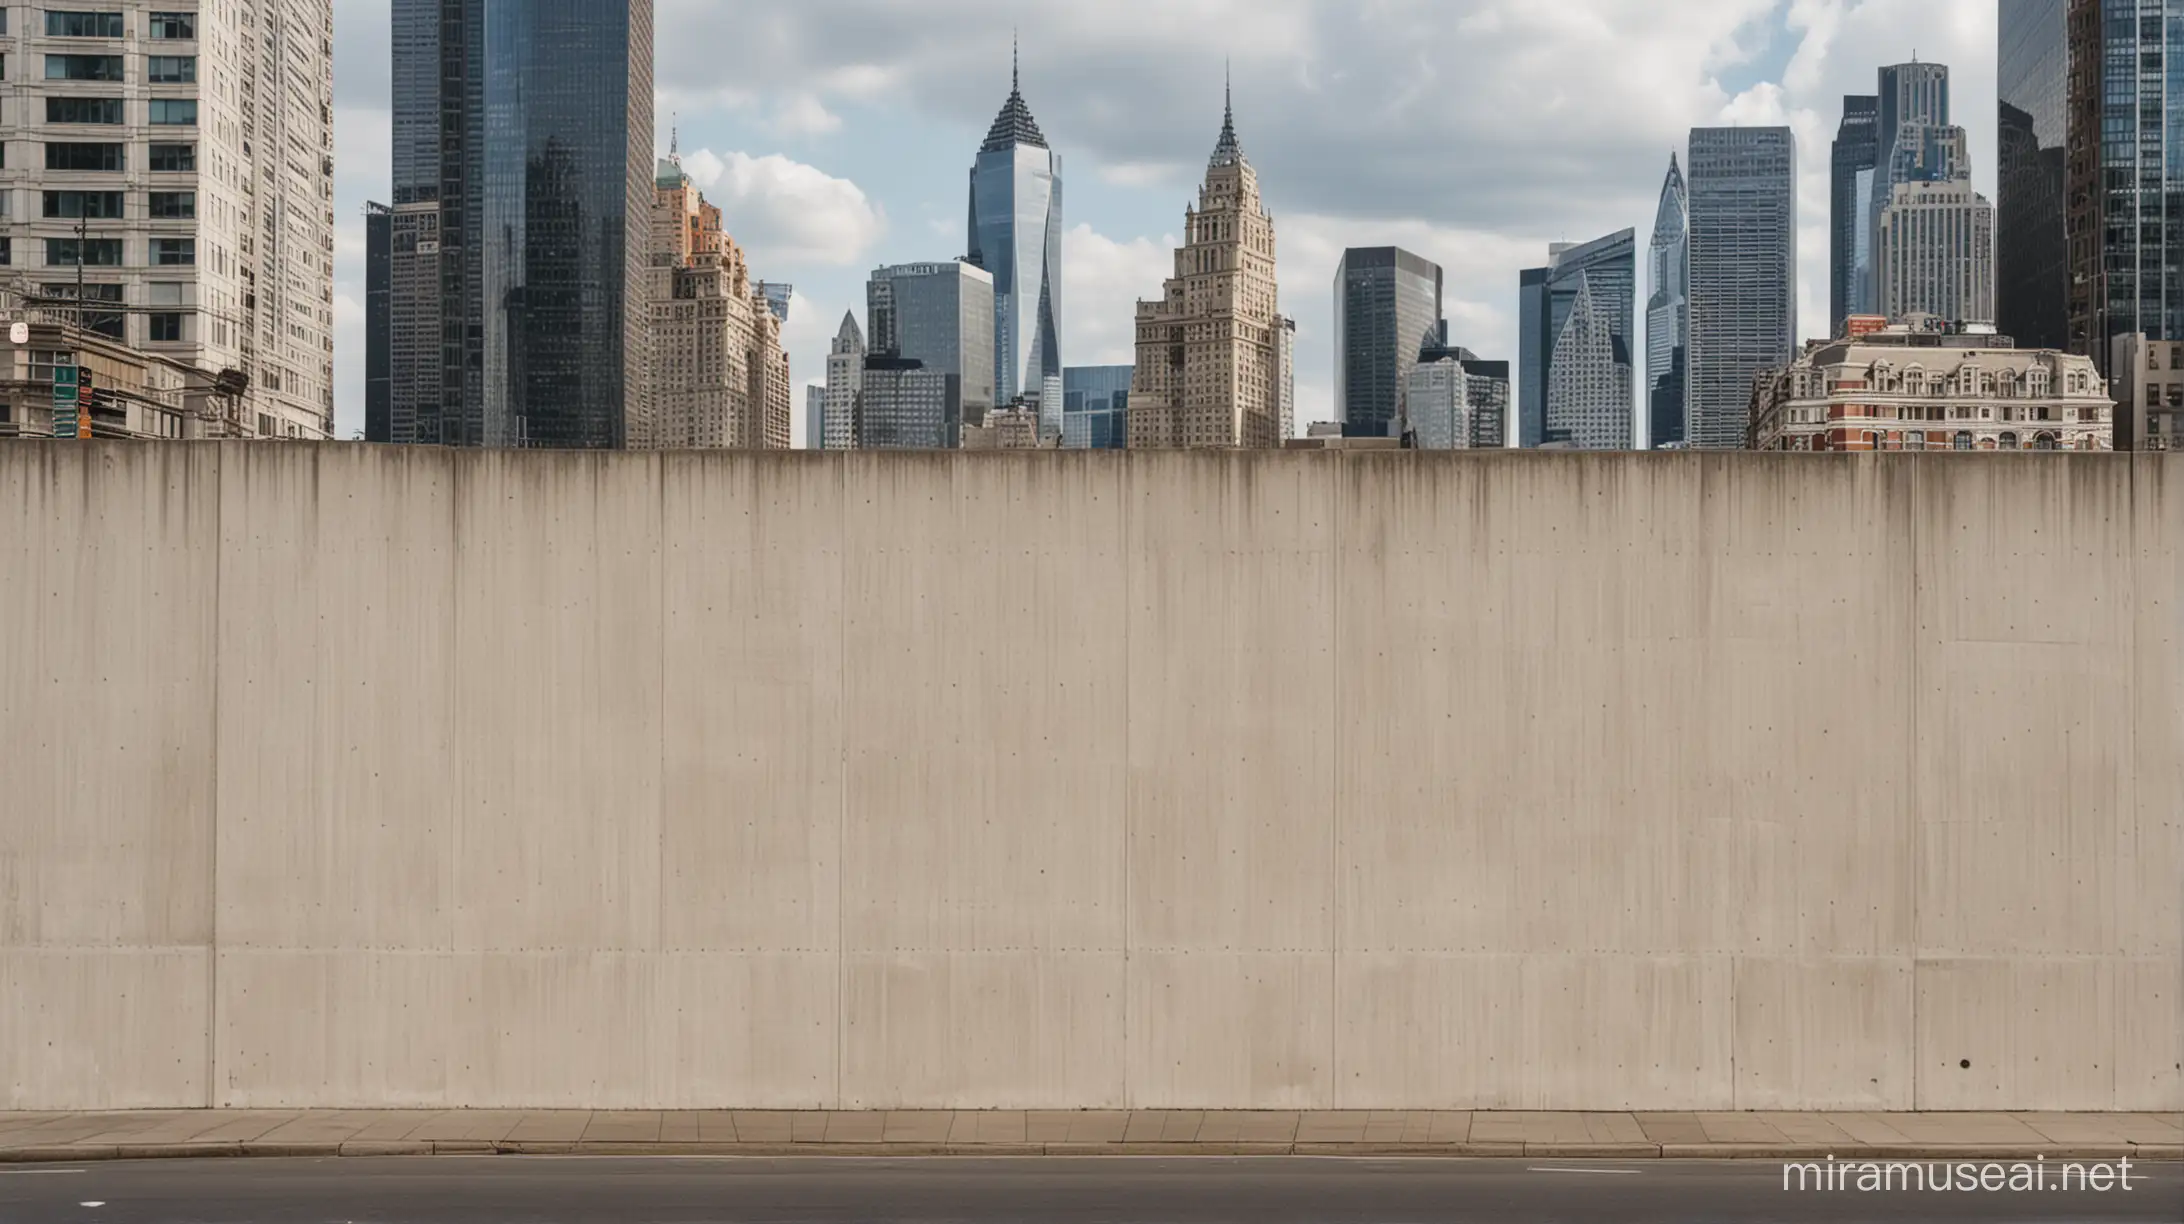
{"x":1387,"y":302}
{"x":815,"y":416}
{"x":1453,"y":400}
{"x":1016,"y":235}
{"x":715,"y":373}
{"x":1211,"y":351}
{"x":2148,"y":386}
{"x":927,"y":319}
{"x":2032,"y":260}
{"x":1668,"y":313}
{"x":1574,"y":407}
{"x":1923,"y":384}
{"x":1850,"y":186}
{"x":845,"y":379}
{"x":378,"y":321}
{"x":1096,"y":407}
{"x":416,"y":383}
{"x":1743,"y":274}
{"x":1934,"y":253}
{"x":532,"y":137}
{"x":777,"y":295}
{"x":1915,"y":143}
{"x":177,"y":163}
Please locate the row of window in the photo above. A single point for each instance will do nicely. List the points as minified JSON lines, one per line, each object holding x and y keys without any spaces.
{"x":158,"y":69}
{"x":108,"y":205}
{"x":181,"y":111}
{"x":77,"y":155}
{"x":106,"y":252}
{"x":62,"y":23}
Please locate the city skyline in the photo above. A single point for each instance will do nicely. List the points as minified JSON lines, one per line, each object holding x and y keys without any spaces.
{"x":833,"y":155}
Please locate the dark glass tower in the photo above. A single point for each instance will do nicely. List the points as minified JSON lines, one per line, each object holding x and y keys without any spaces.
{"x":530,"y":122}
{"x":1387,"y":303}
{"x":378,"y":323}
{"x":1850,"y":185}
{"x":1743,"y":274}
{"x":1605,"y":271}
{"x":1016,"y":234}
{"x":1668,"y":312}
{"x":2032,"y":263}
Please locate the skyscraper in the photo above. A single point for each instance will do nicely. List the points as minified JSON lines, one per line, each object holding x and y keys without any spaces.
{"x":1211,"y":368}
{"x":1850,"y":185}
{"x":1452,"y":399}
{"x":1016,"y":234}
{"x":1934,"y":253}
{"x":1096,"y":407}
{"x":1743,"y":270}
{"x":178,"y":161}
{"x":528,"y":124}
{"x":1604,"y":273}
{"x":1668,"y":313}
{"x":2032,"y":261}
{"x":1915,"y":143}
{"x":815,"y":417}
{"x":378,"y":321}
{"x":845,"y":379}
{"x":928,"y":321}
{"x":1387,"y":302}
{"x":716,"y":375}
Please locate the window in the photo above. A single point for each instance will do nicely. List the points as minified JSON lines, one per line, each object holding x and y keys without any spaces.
{"x":176,"y":111}
{"x":174,"y":158}
{"x":82,"y":25}
{"x":2009,"y":441}
{"x":173,"y":25}
{"x":172,"y":205}
{"x":95,"y":252}
{"x":65,"y":156}
{"x":173,"y":252}
{"x":170,"y":69}
{"x":7,"y":251}
{"x":83,"y":110}
{"x":163,"y":327}
{"x":97,"y":205}
{"x":1963,"y":440}
{"x":82,"y":67}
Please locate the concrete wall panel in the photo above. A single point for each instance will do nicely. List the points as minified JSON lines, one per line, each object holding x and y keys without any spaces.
{"x":104,"y":1028}
{"x":334,"y":1028}
{"x":1824,"y":1033}
{"x":1232,"y":1030}
{"x":2022,"y":1033}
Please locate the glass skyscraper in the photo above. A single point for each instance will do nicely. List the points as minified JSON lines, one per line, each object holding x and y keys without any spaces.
{"x":1096,"y":407}
{"x":2125,"y":178}
{"x":1914,"y":143}
{"x":935,"y":319}
{"x":1016,"y":234}
{"x":1387,"y":303}
{"x":1743,"y":270}
{"x":2032,"y":263}
{"x":1602,"y":276}
{"x":1850,"y":219}
{"x":530,"y":123}
{"x":1668,"y":313}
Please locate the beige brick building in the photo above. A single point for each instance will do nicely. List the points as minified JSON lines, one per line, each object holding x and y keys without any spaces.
{"x":715,"y":372}
{"x":1210,"y":352}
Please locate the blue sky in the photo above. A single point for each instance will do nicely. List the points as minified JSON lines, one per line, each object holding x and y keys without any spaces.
{"x":837,"y":135}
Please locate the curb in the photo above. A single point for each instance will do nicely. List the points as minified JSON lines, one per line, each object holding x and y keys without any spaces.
{"x":238,"y":1149}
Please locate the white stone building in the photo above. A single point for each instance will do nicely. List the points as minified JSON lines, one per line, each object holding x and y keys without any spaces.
{"x":1934,"y":253}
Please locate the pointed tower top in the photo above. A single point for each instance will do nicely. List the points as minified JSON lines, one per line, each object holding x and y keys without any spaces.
{"x":1015,"y":62}
{"x":1014,"y":125}
{"x":1226,"y":151}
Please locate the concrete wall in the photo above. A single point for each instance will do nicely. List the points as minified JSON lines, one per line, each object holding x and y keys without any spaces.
{"x":353,"y":776}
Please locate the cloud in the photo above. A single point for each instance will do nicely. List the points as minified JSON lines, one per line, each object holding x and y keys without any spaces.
{"x":783,"y":211}
{"x":1102,"y":280}
{"x":803,"y":115}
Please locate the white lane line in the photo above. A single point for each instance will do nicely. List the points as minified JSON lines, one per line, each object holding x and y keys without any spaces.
{"x":1566,"y":1169}
{"x":36,"y":1172}
{"x":93,"y":1203}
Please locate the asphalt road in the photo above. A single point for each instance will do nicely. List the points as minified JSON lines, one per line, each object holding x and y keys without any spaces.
{"x":1022,"y":1190}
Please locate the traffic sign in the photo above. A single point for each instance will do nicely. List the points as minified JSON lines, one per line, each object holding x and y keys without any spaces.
{"x":66,"y":416}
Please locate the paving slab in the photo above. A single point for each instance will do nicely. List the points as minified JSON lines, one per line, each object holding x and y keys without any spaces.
{"x":549,"y":1126}
{"x":481,"y":1125}
{"x":623,"y":1126}
{"x":335,"y":1126}
{"x":1333,"y":1125}
{"x":2106,"y":1128}
{"x":1671,"y":1127}
{"x":988,"y":1126}
{"x":854,"y":1127}
{"x":917,"y":1126}
{"x":1075,"y":1126}
{"x":1248,"y":1126}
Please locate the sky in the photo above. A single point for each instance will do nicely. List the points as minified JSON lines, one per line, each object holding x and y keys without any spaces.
{"x":837,"y":136}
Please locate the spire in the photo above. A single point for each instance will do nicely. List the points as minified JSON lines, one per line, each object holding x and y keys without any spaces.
{"x":674,"y":140}
{"x":1014,"y":125}
{"x":1227,"y":151}
{"x":1016,"y":81}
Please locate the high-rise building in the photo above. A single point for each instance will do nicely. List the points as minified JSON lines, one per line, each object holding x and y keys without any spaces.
{"x":1387,"y":302}
{"x":1210,"y":350}
{"x":2032,"y":260}
{"x":1850,"y":185}
{"x":1016,"y":234}
{"x":1668,"y":313}
{"x":716,"y":374}
{"x":1915,"y":143}
{"x":1453,"y":400}
{"x":378,"y":321}
{"x":1934,"y":254}
{"x":177,"y":162}
{"x":815,"y":416}
{"x":845,"y":379}
{"x":1603,"y":272}
{"x":778,"y":295}
{"x":1096,"y":407}
{"x":927,"y":319}
{"x":1743,"y":270}
{"x":416,"y":382}
{"x":528,"y":125}
{"x":2148,"y":386}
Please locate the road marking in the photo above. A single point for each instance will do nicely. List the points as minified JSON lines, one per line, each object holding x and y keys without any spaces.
{"x":1565,"y":1169}
{"x":34,"y":1172}
{"x":93,"y":1203}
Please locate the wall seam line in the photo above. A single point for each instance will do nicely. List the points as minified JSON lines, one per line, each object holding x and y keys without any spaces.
{"x":1127,"y":483}
{"x":1919,"y":663}
{"x":1335,"y":588}
{"x":212,"y":883}
{"x":841,"y":775}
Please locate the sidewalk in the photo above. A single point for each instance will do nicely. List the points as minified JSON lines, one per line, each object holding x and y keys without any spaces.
{"x":1620,"y":1136}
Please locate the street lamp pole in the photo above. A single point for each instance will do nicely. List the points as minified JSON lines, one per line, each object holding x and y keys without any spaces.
{"x":83,"y":230}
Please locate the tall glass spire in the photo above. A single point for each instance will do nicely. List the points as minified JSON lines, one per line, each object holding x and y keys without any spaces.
{"x":1668,"y":312}
{"x":1015,"y":233}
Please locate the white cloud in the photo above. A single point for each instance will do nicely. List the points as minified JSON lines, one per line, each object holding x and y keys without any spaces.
{"x":1102,"y":280}
{"x":784,"y":211}
{"x":803,"y":115}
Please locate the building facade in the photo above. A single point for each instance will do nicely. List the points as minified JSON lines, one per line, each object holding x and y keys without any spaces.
{"x":1850,"y":184}
{"x":1569,"y":408}
{"x":815,"y":416}
{"x":1668,"y":313}
{"x":1210,"y":370}
{"x":715,"y":373}
{"x":1743,"y":270}
{"x":1096,"y":407}
{"x":937,"y":318}
{"x":176,"y":163}
{"x":1454,"y":400}
{"x":845,"y":379}
{"x":2148,"y":385}
{"x":527,"y":125}
{"x":1914,"y":142}
{"x":1016,"y":234}
{"x":1387,"y":302}
{"x":1934,"y":253}
{"x":2032,"y":263}
{"x":1918,"y":386}
{"x":378,"y":321}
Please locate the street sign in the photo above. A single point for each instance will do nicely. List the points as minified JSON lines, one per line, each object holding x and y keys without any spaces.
{"x":86,"y":399}
{"x":65,"y":410}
